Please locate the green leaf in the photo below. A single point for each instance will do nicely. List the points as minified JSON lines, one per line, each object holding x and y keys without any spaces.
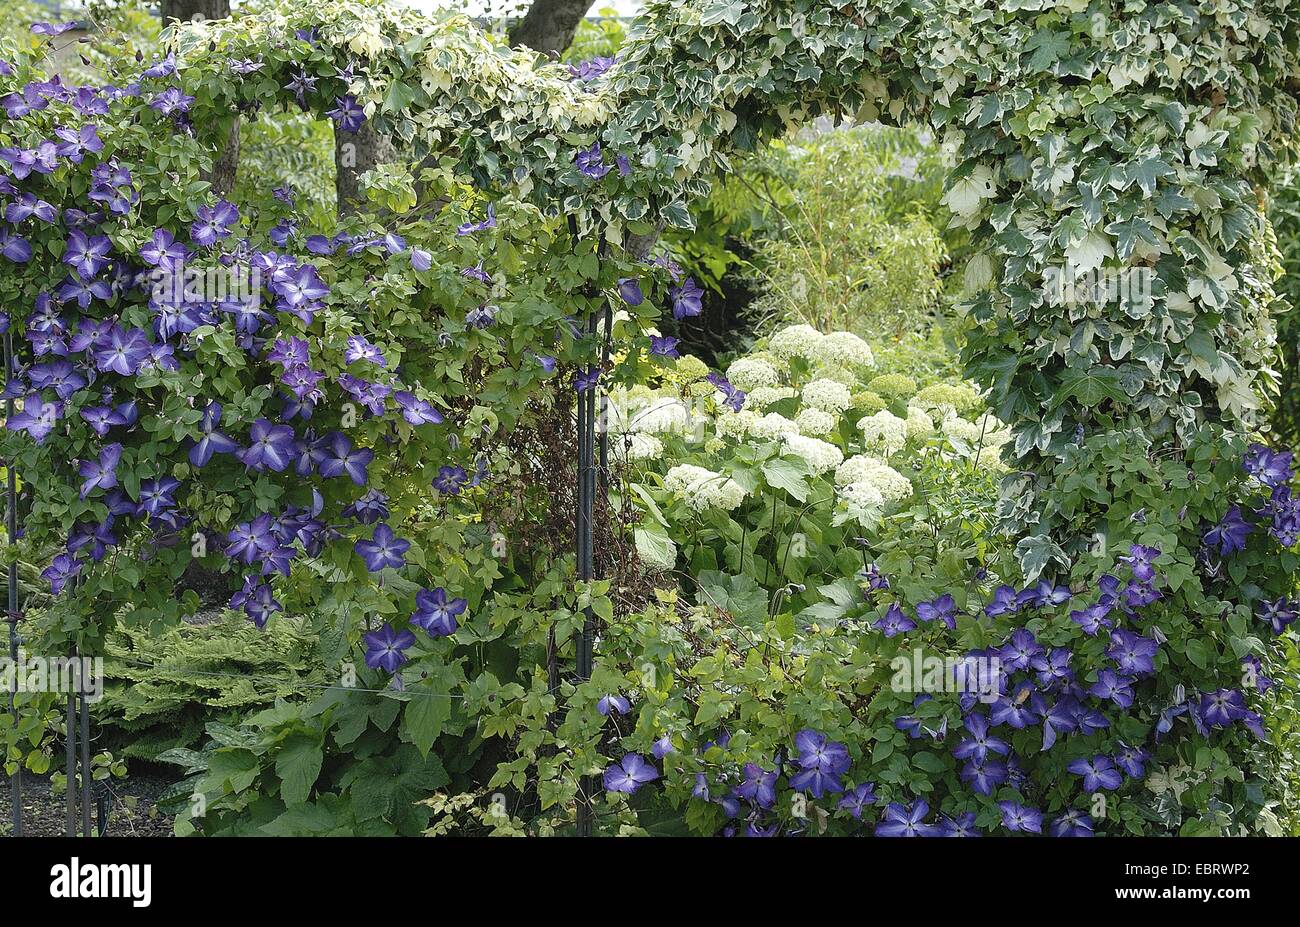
{"x":298,"y":765}
{"x":425,"y":714}
{"x":790,"y":474}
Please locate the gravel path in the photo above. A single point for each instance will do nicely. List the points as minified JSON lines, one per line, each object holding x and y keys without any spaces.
{"x":131,"y":810}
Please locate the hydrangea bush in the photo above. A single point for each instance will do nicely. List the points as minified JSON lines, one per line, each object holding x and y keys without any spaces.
{"x":340,"y":440}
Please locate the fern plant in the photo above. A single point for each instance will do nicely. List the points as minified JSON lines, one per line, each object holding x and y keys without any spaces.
{"x":161,"y":691}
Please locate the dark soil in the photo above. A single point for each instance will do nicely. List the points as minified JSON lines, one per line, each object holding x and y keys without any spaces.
{"x":129,"y":802}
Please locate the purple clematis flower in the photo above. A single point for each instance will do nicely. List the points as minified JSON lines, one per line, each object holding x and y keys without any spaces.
{"x":1272,"y":468}
{"x":102,"y":418}
{"x":1141,"y":559}
{"x":370,"y":508}
{"x":857,"y":797}
{"x":87,"y":255}
{"x":384,"y":550}
{"x":941,"y":609}
{"x":1093,"y":618}
{"x":1072,"y":824}
{"x":759,"y":785}
{"x":164,"y":68}
{"x":213,"y":223}
{"x":249,"y":541}
{"x":58,"y":375}
{"x":1133,"y":653}
{"x":663,"y":346}
{"x":384,"y":648}
{"x":52,"y":29}
{"x":477,"y":273}
{"x":164,"y":251}
{"x":1132,"y":760}
{"x":63,"y":568}
{"x":30,"y":206}
{"x":587,"y":379}
{"x":1098,"y":773}
{"x":731,"y":397}
{"x":469,"y":228}
{"x":1222,"y":707}
{"x":613,"y":704}
{"x":170,"y":101}
{"x":905,"y":820}
{"x":1053,"y":668}
{"x":212,"y":441}
{"x":1279,"y":613}
{"x":1016,"y":817}
{"x":1113,"y":687}
{"x":1045,"y":595}
{"x":347,"y":113}
{"x":1229,"y":535}
{"x":158,"y":495}
{"x":16,"y":249}
{"x":417,"y":411}
{"x":978,"y":746}
{"x":629,"y":774}
{"x":629,"y":290}
{"x":342,"y":458}
{"x":436,"y":613}
{"x":101,"y":473}
{"x":590,"y":162}
{"x":894,"y":622}
{"x":1020,"y":650}
{"x":450,"y":480}
{"x":37,"y":417}
{"x":270,"y":447}
{"x":688,"y":299}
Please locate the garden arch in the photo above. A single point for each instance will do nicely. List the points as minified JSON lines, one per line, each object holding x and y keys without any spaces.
{"x":1089,"y":138}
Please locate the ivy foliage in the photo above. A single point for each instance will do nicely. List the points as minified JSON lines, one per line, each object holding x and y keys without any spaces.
{"x":1127,"y":140}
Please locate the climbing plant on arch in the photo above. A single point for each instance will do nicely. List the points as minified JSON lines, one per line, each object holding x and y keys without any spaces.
{"x":385,"y":372}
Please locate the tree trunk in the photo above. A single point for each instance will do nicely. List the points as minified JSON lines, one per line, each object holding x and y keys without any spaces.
{"x":226,"y":166}
{"x":354,"y":154}
{"x":549,"y":25}
{"x":172,"y":10}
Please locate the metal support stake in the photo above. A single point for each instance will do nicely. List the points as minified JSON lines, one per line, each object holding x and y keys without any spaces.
{"x":585,"y":534}
{"x":11,"y":527}
{"x":85,"y":750}
{"x":70,"y":768}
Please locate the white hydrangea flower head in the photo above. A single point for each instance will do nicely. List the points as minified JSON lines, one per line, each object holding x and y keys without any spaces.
{"x":660,"y":416}
{"x":862,"y":503}
{"x":749,"y":373}
{"x":892,"y":485}
{"x":821,"y":456}
{"x":856,"y":468}
{"x":643,"y":447}
{"x":704,"y":489}
{"x":919,"y":423}
{"x":942,"y":397}
{"x":863,"y":495}
{"x":795,"y":341}
{"x":735,"y":424}
{"x":884,"y":431}
{"x":815,"y":422}
{"x":764,"y":396}
{"x":772,"y":426}
{"x":844,"y":349}
{"x":871,"y":471}
{"x":827,"y":395}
